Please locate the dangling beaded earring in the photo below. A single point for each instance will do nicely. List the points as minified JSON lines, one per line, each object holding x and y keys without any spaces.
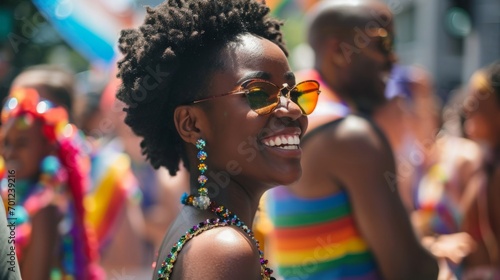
{"x":202,"y":201}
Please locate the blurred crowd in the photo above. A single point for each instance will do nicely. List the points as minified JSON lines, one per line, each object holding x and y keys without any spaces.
{"x":90,"y":206}
{"x":82,"y":168}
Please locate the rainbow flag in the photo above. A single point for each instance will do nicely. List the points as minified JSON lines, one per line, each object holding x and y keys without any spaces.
{"x":87,"y":25}
{"x":279,"y":7}
{"x":113,"y":186}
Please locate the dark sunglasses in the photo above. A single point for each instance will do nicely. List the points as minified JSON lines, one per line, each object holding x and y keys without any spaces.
{"x":263,"y":96}
{"x":386,"y":42}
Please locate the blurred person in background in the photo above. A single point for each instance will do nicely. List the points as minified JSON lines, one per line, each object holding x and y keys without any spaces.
{"x":144,"y":200}
{"x":445,"y":183}
{"x":343,"y":218}
{"x":45,"y":151}
{"x":51,"y":82}
{"x":409,"y":119}
{"x":482,"y":124}
{"x":160,"y":191}
{"x":113,"y":201}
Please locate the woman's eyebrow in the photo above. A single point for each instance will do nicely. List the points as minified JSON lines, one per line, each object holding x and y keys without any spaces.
{"x":255,"y":75}
{"x":289,"y":76}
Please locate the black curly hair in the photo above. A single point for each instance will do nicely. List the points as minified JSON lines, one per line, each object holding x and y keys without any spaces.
{"x":169,"y":59}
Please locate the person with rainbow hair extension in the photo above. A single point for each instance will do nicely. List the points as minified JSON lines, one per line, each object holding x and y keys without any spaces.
{"x":44,"y":152}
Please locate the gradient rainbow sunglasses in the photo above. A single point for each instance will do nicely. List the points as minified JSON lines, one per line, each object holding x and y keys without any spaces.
{"x":264,"y":96}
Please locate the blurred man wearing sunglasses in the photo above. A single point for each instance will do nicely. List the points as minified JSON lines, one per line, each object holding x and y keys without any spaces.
{"x":344,"y":219}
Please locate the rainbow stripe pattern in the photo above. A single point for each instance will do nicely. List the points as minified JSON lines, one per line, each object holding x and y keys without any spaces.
{"x":317,"y":238}
{"x":281,"y":8}
{"x":114,"y":185}
{"x":85,"y":25}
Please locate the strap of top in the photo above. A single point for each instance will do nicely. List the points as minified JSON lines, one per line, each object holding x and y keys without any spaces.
{"x":168,"y":265}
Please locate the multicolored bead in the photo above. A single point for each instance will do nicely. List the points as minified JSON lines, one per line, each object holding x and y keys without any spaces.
{"x":202,"y":155}
{"x":202,"y":179}
{"x":202,"y":167}
{"x":200,"y":144}
{"x":203,"y":191}
{"x":201,"y":202}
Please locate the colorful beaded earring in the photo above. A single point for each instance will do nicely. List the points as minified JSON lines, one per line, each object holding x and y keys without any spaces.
{"x":226,"y":218}
{"x":202,"y":201}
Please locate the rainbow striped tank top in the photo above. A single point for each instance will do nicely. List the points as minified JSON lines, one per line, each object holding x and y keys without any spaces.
{"x":317,"y":238}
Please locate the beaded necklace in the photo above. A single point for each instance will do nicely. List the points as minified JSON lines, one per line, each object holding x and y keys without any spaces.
{"x":226,"y":218}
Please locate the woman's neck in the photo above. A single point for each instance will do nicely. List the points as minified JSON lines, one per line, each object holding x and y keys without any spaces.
{"x":238,"y":198}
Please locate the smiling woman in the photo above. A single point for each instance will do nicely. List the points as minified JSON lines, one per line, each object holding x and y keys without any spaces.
{"x":224,"y":103}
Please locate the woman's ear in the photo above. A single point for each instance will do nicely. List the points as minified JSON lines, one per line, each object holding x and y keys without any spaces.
{"x":187,"y":122}
{"x":340,"y":52}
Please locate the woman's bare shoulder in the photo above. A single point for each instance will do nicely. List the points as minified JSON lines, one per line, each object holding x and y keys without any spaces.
{"x":465,"y":154}
{"x":224,"y":252}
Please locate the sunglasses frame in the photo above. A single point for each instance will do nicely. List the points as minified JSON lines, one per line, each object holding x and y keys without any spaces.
{"x":242,"y":90}
{"x":386,"y":39}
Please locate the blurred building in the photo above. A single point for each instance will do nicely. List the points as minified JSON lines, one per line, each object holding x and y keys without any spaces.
{"x":450,"y":38}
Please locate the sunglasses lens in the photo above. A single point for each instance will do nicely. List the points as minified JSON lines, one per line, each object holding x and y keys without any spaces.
{"x":386,"y":45}
{"x":305,"y":95}
{"x":262,"y":97}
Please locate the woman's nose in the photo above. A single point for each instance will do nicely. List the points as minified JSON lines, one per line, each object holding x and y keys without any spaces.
{"x":288,"y":108}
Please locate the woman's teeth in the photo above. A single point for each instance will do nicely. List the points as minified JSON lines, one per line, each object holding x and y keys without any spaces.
{"x":287,"y":142}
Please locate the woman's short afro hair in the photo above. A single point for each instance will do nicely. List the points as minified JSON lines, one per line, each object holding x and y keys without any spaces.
{"x":170,"y":57}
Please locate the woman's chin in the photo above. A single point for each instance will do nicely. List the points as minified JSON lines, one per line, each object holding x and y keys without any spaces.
{"x":289,"y":177}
